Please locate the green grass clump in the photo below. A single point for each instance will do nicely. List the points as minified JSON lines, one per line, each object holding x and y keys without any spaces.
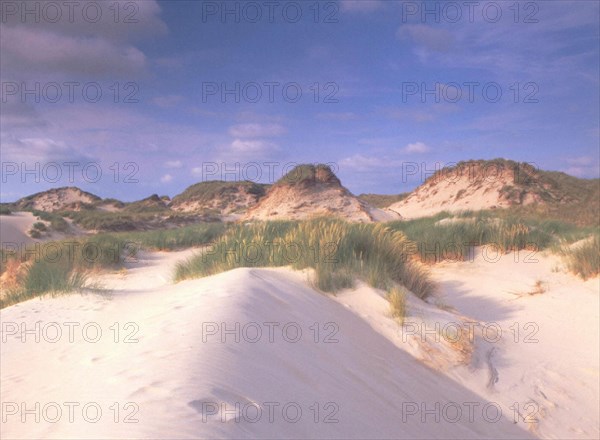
{"x":104,"y":220}
{"x":438,"y":240}
{"x":382,"y":200}
{"x":59,"y":267}
{"x":170,"y":239}
{"x":397,"y":298}
{"x":227,"y":192}
{"x":35,"y":233}
{"x":339,"y":252}
{"x":584,"y":260}
{"x":40,"y":226}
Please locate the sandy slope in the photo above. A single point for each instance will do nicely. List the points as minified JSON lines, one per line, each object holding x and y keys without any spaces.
{"x":176,"y":371}
{"x":14,"y":228}
{"x":540,"y":352}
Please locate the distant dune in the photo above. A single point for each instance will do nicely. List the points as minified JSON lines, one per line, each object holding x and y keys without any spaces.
{"x":312,"y":191}
{"x":476,"y":185}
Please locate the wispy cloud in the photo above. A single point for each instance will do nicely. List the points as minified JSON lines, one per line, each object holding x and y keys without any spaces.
{"x":416,"y":147}
{"x":254,"y":130}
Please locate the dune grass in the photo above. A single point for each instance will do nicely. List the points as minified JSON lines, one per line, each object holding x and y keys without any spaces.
{"x":64,"y":266}
{"x":339,"y":252}
{"x":397,"y":298}
{"x":448,"y":236}
{"x":57,"y":267}
{"x":170,"y":239}
{"x":584,"y":259}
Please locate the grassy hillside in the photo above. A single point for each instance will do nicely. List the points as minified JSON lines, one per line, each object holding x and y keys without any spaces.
{"x":223,"y":192}
{"x":382,"y":200}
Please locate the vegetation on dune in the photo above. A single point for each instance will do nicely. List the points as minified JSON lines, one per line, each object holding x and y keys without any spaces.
{"x":64,"y":266}
{"x":584,"y":258}
{"x":5,"y":210}
{"x":382,"y":200}
{"x":153,"y":204}
{"x":397,"y":298}
{"x":307,"y":174}
{"x":40,"y":226}
{"x":206,"y":192}
{"x":563,"y":197}
{"x":120,"y":221}
{"x":104,"y":220}
{"x":448,"y":236}
{"x":57,"y":267}
{"x":338,"y":252}
{"x":57,"y":222}
{"x":177,"y":238}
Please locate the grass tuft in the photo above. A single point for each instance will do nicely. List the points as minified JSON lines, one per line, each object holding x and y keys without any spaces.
{"x":338,"y":251}
{"x":584,"y":260}
{"x":397,"y":298}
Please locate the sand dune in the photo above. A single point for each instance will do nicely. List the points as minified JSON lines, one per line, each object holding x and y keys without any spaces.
{"x":536,"y":355}
{"x":14,"y":228}
{"x":179,"y":380}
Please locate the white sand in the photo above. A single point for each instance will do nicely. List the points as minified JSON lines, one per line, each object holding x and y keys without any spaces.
{"x":550,"y":368}
{"x":170,"y":375}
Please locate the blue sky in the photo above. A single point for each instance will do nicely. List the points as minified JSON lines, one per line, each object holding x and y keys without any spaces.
{"x":388,"y":79}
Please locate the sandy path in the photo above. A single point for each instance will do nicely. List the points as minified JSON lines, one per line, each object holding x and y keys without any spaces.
{"x":177,"y":377}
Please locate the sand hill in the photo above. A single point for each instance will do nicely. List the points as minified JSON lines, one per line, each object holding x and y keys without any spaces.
{"x":219,"y":197}
{"x":152,"y":203}
{"x":312,"y":191}
{"x":58,"y":199}
{"x":365,"y":372}
{"x":499,"y":183}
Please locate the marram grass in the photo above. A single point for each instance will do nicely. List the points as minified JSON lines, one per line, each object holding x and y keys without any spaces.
{"x":338,"y":252}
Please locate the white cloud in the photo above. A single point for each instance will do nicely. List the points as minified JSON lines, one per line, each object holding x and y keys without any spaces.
{"x":434,"y":39}
{"x":40,"y":150}
{"x":73,"y":47}
{"x":359,"y":162}
{"x":173,"y":164}
{"x":116,"y":20}
{"x":166,"y":178}
{"x":340,"y":116}
{"x":583,"y":166}
{"x":416,"y":147}
{"x":53,"y":54}
{"x":253,"y":130}
{"x":253,"y":146}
